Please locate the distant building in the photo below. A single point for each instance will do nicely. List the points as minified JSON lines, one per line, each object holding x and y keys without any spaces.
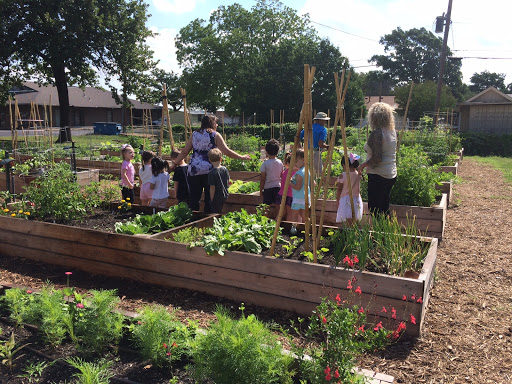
{"x":490,"y":112}
{"x":370,"y":100}
{"x":85,"y":106}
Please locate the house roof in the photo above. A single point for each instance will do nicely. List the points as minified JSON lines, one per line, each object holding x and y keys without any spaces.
{"x":88,"y":98}
{"x":390,"y":100}
{"x":489,"y":96}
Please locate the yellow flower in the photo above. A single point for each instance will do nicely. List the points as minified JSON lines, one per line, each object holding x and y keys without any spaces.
{"x":123,"y":201}
{"x":127,"y":199}
{"x":129,"y":204}
{"x":6,"y":210}
{"x":13,"y":215}
{"x":119,"y":207}
{"x":27,"y":213}
{"x":20,"y":211}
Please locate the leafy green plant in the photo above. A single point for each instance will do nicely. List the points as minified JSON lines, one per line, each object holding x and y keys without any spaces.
{"x":91,"y":373}
{"x":187,"y":235}
{"x":239,"y":186}
{"x":176,"y":215}
{"x":53,"y":311}
{"x":252,"y":165}
{"x":33,"y":371}
{"x":244,"y":143}
{"x":240,"y":351}
{"x":238,"y":231}
{"x":292,"y":245}
{"x":161,"y":338}
{"x":101,"y":193}
{"x":8,"y":350}
{"x":335,"y":337}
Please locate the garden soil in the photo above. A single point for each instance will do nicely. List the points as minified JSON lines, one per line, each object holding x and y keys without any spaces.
{"x":467,"y":336}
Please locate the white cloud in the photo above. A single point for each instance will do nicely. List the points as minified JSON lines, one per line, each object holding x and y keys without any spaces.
{"x":175,"y":6}
{"x":164,"y":48}
{"x":479,"y":29}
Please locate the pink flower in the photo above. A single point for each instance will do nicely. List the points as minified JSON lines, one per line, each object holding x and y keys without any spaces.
{"x":69,"y":273}
{"x":413,"y":319}
{"x":420,"y":300}
{"x":168,"y":353}
{"x":79,"y":305}
{"x":29,"y":291}
{"x":356,"y":260}
{"x":404,"y":298}
{"x":349,"y":285}
{"x":139,"y":322}
{"x":401,"y":326}
{"x":378,"y":326}
{"x":384,"y":310}
{"x":358,"y":290}
{"x":413,"y":297}
{"x":338,"y":298}
{"x":393,"y":313}
{"x":361,"y":310}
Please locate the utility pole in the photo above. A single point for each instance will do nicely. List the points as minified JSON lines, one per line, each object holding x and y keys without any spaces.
{"x":443,"y":59}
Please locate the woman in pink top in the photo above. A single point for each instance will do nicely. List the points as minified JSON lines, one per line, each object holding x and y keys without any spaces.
{"x":342,"y":193}
{"x":289,"y":197}
{"x":127,"y":173}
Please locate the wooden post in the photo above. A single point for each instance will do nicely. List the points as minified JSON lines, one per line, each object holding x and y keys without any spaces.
{"x":17,"y":115}
{"x":405,"y":116}
{"x":282,"y":140}
{"x":12,"y":127}
{"x":451,"y":131}
{"x":185,"y":110}
{"x":51,"y":128}
{"x":307,"y":144}
{"x":223,"y":135}
{"x":131,"y":117}
{"x":165,"y":120}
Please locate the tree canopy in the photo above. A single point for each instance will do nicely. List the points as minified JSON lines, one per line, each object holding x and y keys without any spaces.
{"x":61,"y":42}
{"x":253,"y":60}
{"x":483,"y":80}
{"x":414,"y":55}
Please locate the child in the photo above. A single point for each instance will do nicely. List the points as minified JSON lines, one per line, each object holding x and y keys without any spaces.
{"x":288,"y":204}
{"x":159,"y":182}
{"x":297,"y":184}
{"x":180,"y":178}
{"x":145,"y":173}
{"x":270,"y":178}
{"x":342,"y":192}
{"x":218,"y":180}
{"x":127,"y":173}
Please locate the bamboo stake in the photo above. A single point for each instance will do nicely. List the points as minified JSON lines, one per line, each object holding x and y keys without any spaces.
{"x":185,"y":111}
{"x":10,"y":120}
{"x":306,"y":156}
{"x":51,"y":129}
{"x":288,"y":177}
{"x":405,"y":116}
{"x":18,"y":116}
{"x":282,"y":140}
{"x":45,"y":126}
{"x":131,"y":117}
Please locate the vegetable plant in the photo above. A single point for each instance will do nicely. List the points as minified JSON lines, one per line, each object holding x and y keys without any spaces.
{"x":239,"y":186}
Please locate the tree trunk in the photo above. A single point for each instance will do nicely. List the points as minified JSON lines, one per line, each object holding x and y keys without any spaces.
{"x":62,"y":89}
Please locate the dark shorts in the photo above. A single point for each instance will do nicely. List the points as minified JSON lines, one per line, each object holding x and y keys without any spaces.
{"x":288,"y":200}
{"x":270,"y":194}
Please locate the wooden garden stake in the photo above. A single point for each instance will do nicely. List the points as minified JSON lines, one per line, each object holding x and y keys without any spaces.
{"x":12,"y":127}
{"x":18,"y":116}
{"x":282,"y":141}
{"x":185,"y":110}
{"x":451,"y":131}
{"x":131,"y":117}
{"x":405,"y":116}
{"x":51,"y":127}
{"x":165,"y":120}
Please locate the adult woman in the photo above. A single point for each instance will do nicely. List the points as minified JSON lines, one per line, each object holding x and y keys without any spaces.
{"x":200,"y":142}
{"x":380,"y":161}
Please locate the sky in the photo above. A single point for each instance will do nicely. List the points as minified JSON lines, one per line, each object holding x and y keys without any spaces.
{"x":480,"y":29}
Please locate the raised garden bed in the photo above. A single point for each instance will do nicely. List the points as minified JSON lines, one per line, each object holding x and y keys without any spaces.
{"x":266,"y":281}
{"x":84,"y":176}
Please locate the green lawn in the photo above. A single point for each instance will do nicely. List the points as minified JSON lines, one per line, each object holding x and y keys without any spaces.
{"x":502,"y":164}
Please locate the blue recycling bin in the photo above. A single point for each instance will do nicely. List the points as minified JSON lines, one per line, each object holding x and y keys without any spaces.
{"x":107,"y":128}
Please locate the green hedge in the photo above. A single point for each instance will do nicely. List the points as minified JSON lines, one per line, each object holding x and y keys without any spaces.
{"x":484,"y":144}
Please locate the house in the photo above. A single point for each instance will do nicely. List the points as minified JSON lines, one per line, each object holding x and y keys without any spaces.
{"x":490,"y":112}
{"x":390,"y":100}
{"x":86,"y":106}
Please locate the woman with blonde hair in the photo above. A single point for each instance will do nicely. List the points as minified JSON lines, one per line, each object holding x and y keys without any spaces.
{"x":380,"y":161}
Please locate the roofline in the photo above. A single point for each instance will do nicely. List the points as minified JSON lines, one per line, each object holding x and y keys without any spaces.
{"x":491,"y":88}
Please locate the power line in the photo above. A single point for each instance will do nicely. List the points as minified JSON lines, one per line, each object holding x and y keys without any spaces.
{"x":348,"y":33}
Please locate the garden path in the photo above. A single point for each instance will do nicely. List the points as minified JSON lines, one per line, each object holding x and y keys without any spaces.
{"x":468,"y":326}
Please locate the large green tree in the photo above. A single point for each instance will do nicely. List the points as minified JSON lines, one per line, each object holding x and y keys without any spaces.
{"x":61,"y":42}
{"x":130,"y":58}
{"x":152,"y":93}
{"x":253,"y":60}
{"x":414,"y":55}
{"x":423,"y":99}
{"x":483,"y":80}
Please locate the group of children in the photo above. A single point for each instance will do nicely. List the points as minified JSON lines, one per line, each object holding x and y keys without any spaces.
{"x":273,"y":178}
{"x":154,"y":182}
{"x":154,"y":178}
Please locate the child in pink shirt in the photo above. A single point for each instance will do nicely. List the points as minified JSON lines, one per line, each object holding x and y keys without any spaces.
{"x":127,"y":173}
{"x":289,"y":196}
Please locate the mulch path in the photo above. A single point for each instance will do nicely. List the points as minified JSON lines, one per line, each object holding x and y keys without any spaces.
{"x":467,"y":336}
{"x":468,"y":325}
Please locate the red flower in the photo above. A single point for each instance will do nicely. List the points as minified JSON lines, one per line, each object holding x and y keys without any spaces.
{"x":338,"y":298}
{"x":413,"y":319}
{"x":139,"y":322}
{"x":413,"y":297}
{"x":168,"y":353}
{"x":328,"y":377}
{"x":384,"y":310}
{"x":401,"y":326}
{"x":404,"y":298}
{"x":356,"y":260}
{"x":327,"y":370}
{"x":346,"y":259}
{"x":361,"y":310}
{"x":174,"y":344}
{"x":29,"y":291}
{"x":336,"y":374}
{"x":378,"y":326}
{"x":358,"y":290}
{"x":393,"y":313}
{"x":164,"y":346}
{"x":349,"y":285}
{"x":361,"y":328}
{"x":324,"y":320}
{"x":420,"y":300}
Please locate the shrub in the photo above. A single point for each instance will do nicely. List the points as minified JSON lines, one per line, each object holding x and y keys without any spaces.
{"x":484,"y":144}
{"x":240,"y":351}
{"x":244,"y":143}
